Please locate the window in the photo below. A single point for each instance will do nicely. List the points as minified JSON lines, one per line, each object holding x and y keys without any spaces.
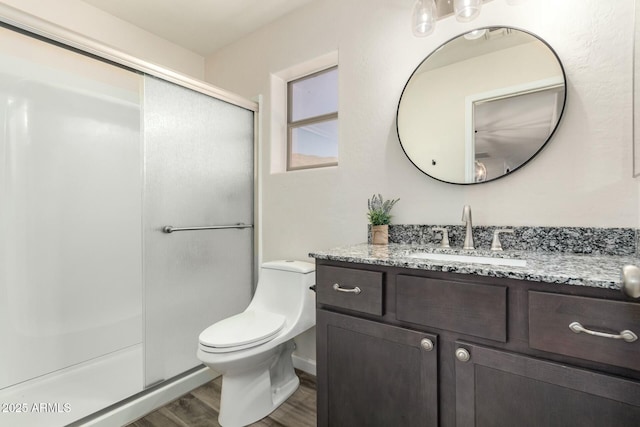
{"x":312,"y":124}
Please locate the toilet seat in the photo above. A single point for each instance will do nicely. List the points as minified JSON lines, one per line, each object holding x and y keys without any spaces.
{"x":244,"y":330}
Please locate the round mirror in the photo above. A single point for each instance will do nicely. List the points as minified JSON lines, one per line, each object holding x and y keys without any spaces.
{"x":481,"y":105}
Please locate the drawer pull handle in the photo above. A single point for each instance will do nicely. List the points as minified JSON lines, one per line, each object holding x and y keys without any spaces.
{"x":625,"y":335}
{"x":355,"y":290}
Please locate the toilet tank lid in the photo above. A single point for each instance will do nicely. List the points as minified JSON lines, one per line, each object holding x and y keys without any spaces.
{"x":290,"y":265}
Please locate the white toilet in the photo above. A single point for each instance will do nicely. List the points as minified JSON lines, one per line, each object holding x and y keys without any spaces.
{"x":252,"y":350}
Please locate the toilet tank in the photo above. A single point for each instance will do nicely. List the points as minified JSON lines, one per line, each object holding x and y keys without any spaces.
{"x":283,"y":287}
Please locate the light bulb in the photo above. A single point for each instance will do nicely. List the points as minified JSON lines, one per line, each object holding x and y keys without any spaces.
{"x":481,"y":171}
{"x":475,"y":34}
{"x":466,"y":10}
{"x":423,"y":19}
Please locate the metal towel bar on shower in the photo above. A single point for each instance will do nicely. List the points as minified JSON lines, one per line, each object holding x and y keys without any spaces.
{"x":171,"y":229}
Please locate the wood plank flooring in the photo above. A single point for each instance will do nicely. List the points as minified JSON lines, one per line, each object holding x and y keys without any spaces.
{"x":200,"y":408}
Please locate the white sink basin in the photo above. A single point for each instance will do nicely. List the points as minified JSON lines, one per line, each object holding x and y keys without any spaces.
{"x":470,"y":259}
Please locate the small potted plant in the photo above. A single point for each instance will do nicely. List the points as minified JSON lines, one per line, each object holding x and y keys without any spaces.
{"x":380,"y":217}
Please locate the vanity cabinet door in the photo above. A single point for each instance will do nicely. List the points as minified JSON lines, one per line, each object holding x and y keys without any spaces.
{"x":371,"y":374}
{"x":495,"y":388}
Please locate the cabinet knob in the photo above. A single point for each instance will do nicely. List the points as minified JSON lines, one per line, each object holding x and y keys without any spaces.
{"x":463,"y":355}
{"x":631,"y":281}
{"x":426,"y":344}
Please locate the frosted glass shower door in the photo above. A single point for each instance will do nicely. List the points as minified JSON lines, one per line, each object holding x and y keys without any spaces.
{"x":198,"y":172}
{"x":70,"y":209}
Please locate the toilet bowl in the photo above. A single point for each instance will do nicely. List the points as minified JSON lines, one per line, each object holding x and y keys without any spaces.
{"x":252,"y":350}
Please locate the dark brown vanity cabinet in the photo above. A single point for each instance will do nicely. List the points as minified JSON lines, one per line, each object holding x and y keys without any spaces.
{"x":372,"y":374}
{"x":498,"y":388}
{"x":427,"y":348}
{"x":375,"y":374}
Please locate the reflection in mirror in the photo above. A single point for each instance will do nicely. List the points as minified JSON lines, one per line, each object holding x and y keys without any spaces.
{"x":481,"y":106}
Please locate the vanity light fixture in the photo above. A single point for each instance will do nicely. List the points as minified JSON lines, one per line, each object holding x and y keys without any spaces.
{"x":466,"y":10}
{"x":481,"y":172}
{"x":497,"y":33}
{"x":475,"y":34}
{"x":423,"y":19}
{"x":427,"y":12}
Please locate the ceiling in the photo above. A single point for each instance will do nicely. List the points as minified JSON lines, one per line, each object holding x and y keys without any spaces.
{"x":202,"y":26}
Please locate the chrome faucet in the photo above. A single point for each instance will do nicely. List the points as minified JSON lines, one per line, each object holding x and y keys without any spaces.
{"x":445,"y":236}
{"x":466,"y":217}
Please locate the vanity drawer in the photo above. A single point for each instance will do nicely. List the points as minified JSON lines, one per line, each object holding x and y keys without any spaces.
{"x":468,"y":308}
{"x":349,"y":288}
{"x":551,"y":314}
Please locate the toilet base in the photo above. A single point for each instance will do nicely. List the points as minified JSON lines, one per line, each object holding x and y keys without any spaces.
{"x":250,"y":396}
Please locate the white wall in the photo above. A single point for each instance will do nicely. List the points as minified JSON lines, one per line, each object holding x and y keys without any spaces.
{"x":91,"y":22}
{"x":582,"y":178}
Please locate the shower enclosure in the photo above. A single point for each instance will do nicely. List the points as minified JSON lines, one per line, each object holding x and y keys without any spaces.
{"x":97,"y":302}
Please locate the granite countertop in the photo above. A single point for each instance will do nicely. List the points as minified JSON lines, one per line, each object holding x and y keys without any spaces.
{"x":601,"y":271}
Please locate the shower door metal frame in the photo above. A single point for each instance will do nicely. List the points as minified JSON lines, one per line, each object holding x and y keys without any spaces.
{"x":18,"y":19}
{"x":31,"y":24}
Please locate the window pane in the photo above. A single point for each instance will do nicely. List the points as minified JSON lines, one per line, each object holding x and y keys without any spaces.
{"x":315,"y":144}
{"x":314,"y":96}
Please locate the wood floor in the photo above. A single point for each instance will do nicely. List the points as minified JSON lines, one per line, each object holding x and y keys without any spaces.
{"x":200,"y":408}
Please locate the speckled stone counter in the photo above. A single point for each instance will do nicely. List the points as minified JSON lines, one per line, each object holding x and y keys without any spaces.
{"x":601,"y":271}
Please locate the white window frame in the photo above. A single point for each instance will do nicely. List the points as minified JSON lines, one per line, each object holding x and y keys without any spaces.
{"x":292,"y":125}
{"x":278,"y":107}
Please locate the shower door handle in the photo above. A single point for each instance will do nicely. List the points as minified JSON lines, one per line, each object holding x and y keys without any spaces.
{"x":170,"y":229}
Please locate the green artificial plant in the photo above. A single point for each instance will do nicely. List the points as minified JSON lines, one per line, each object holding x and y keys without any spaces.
{"x":379,"y":210}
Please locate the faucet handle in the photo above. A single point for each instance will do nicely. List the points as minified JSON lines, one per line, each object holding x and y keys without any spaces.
{"x":495,"y":243}
{"x":445,"y":236}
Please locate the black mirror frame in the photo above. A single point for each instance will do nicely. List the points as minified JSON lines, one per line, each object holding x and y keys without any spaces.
{"x":564,"y":105}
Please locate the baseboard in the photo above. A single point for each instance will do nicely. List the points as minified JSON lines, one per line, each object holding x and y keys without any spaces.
{"x":147,"y":401}
{"x":304,"y":364}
